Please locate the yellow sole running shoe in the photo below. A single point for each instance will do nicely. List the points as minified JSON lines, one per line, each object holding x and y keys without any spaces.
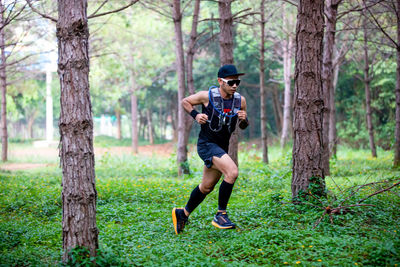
{"x":179,"y":220}
{"x":221,"y":221}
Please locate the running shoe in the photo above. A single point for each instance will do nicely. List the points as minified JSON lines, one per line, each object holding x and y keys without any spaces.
{"x":221,"y":220}
{"x":179,"y":219}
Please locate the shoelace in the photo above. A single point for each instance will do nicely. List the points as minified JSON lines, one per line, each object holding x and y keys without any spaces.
{"x":224,"y":217}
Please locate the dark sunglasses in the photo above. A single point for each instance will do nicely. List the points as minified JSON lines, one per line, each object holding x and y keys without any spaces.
{"x":231,"y":82}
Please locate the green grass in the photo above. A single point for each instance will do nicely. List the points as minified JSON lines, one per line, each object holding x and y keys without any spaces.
{"x":136,"y":195}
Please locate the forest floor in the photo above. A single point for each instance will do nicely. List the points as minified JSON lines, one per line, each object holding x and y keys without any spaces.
{"x":136,"y":194}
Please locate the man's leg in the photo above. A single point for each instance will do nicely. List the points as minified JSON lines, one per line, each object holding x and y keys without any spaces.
{"x":228,"y":167}
{"x":210,"y":179}
{"x":180,"y":216}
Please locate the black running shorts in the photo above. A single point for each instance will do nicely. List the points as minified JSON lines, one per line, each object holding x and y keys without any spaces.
{"x":207,"y":150}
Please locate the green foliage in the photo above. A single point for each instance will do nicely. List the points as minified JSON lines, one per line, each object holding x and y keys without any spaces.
{"x":79,"y":256}
{"x":136,"y":195}
{"x":350,"y":105}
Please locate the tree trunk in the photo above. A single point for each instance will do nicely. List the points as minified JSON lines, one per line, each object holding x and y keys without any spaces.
{"x":79,"y":193}
{"x":309,"y":103}
{"x":277,"y":109}
{"x":226,"y":57}
{"x":183,"y":167}
{"x":118,"y":116}
{"x":192,"y":49}
{"x":174,"y":120}
{"x":287,"y":63}
{"x":189,"y":65}
{"x":150,"y":126}
{"x":3,"y":85}
{"x":332,"y":114}
{"x":31,"y":120}
{"x":396,"y":162}
{"x":331,"y":7}
{"x":134,"y":118}
{"x":264,"y":143}
{"x":160,"y":121}
{"x":367,"y":82}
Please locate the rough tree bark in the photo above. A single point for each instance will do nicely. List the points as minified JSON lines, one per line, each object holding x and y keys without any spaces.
{"x":396,"y":162}
{"x":79,"y":193}
{"x":264,"y":143}
{"x":367,"y":82}
{"x":3,"y":85}
{"x":287,"y":63}
{"x":183,"y":167}
{"x":226,"y":57}
{"x":308,"y":105}
{"x":331,"y":10}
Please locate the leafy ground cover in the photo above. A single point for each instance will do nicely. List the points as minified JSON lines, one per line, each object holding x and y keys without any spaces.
{"x":136,"y":195}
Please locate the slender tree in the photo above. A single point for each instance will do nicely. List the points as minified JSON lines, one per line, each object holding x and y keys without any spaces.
{"x":10,"y":11}
{"x":367,"y":84}
{"x":287,"y":47}
{"x":392,"y":7}
{"x":264,"y":143}
{"x":183,"y":167}
{"x":397,"y":93}
{"x":3,"y":86}
{"x":79,"y":193}
{"x":331,"y":10}
{"x":191,"y":51}
{"x":308,"y":99}
{"x":226,"y":57}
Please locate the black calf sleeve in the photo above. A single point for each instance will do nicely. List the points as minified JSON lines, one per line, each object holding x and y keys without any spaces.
{"x":196,"y":197}
{"x":225,"y":191}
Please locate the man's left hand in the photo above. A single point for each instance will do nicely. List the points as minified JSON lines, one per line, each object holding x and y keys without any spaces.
{"x":242,"y":114}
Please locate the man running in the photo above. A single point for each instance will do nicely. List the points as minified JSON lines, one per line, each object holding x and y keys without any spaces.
{"x":221,"y":109}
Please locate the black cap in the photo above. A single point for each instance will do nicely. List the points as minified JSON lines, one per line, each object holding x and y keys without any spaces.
{"x":228,"y":70}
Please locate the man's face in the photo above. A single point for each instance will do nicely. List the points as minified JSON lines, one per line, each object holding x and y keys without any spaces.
{"x":229,"y":90}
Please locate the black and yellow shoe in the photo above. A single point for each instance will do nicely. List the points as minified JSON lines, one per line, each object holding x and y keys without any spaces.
{"x":221,"y":220}
{"x":179,"y":219}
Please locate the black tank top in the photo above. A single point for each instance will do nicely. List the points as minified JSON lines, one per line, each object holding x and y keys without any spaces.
{"x":221,"y":137}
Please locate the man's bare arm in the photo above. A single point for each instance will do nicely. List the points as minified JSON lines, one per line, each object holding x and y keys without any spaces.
{"x":189,"y":102}
{"x":242,"y":115}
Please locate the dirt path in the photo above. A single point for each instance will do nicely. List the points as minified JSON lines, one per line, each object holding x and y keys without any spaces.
{"x":51,"y":153}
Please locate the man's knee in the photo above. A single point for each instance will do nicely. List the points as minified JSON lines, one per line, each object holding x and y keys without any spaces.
{"x":206,"y":189}
{"x":231,"y":175}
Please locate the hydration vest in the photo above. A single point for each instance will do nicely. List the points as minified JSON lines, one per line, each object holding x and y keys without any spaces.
{"x":223,"y":118}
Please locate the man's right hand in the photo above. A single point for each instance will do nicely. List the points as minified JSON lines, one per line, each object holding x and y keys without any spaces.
{"x":201,"y":118}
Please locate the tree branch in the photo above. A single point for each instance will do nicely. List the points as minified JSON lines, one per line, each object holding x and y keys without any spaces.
{"x":290,"y":2}
{"x":380,"y":191}
{"x":147,"y":5}
{"x":380,"y":27}
{"x":8,"y":20}
{"x":97,"y":10}
{"x":356,"y":9}
{"x":113,"y":11}
{"x":40,"y":13}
